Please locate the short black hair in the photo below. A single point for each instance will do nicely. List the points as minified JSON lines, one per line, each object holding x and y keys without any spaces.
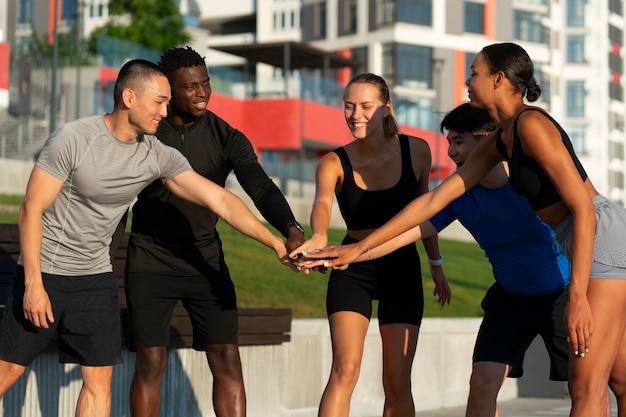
{"x":465,"y":118}
{"x":176,"y":58}
{"x":134,"y":75}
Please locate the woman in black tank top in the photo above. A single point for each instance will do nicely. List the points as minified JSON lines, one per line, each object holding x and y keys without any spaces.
{"x":545,"y":169}
{"x":589,"y":228}
{"x":373,"y":177}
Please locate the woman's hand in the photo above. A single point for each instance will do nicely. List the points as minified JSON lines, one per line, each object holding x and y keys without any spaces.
{"x":579,"y":324}
{"x":336,"y":257}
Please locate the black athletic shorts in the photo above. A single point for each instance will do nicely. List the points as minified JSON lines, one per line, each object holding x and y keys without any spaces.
{"x":86,"y":321}
{"x":395,"y":280}
{"x":512,"y":322}
{"x":210,"y":301}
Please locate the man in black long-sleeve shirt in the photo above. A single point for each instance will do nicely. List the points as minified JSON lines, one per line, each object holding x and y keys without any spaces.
{"x":175,"y":252}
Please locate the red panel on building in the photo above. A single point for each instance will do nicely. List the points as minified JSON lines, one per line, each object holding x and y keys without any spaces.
{"x":279,"y":124}
{"x":5,"y":65}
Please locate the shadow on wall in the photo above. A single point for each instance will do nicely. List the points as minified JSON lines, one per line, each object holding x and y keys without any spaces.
{"x":48,"y":387}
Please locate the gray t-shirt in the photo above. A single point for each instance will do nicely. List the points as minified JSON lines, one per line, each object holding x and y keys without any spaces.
{"x":102,"y":175}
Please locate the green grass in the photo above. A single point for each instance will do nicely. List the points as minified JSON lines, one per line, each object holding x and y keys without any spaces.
{"x":261,"y":281}
{"x":11,"y":199}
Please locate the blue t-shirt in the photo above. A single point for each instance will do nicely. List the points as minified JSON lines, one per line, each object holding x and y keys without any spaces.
{"x":517,"y":243}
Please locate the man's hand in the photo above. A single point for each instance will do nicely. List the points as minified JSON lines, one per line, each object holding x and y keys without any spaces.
{"x":442,"y":289}
{"x":37,"y":307}
{"x":295,"y":238}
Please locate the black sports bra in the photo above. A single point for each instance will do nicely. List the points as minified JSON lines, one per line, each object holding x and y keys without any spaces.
{"x":526,"y":176}
{"x":364,"y":209}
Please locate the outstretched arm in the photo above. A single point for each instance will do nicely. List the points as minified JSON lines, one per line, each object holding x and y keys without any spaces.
{"x":480,"y":162}
{"x":197,"y":189}
{"x":327,"y":176}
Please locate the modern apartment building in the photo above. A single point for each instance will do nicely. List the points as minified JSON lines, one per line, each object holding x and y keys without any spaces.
{"x":287,"y":97}
{"x":424,"y":49}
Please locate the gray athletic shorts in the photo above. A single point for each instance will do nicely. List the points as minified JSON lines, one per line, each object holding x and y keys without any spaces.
{"x":609,"y":254}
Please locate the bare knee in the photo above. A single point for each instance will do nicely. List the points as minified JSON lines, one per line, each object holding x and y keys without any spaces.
{"x":486,"y":380}
{"x":346,"y":372}
{"x":224,"y":361}
{"x":150,"y":363}
{"x":97,"y":380}
{"x":617,"y":383}
{"x":397,"y":385}
{"x":10,"y":372}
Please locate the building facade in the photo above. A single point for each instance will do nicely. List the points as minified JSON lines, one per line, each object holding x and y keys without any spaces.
{"x":291,"y":106}
{"x":424,"y":49}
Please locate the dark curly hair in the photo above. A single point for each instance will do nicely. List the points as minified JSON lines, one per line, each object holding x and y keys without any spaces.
{"x":176,"y":58}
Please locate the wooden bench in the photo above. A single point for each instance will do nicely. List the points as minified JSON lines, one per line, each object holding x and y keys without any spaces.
{"x":257,"y":326}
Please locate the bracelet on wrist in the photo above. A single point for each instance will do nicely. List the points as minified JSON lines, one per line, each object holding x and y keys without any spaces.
{"x":436,"y":262}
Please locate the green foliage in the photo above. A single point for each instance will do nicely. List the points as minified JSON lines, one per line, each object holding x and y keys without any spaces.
{"x":155,"y":24}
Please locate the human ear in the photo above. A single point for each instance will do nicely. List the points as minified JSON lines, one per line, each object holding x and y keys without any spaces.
{"x":128,"y":96}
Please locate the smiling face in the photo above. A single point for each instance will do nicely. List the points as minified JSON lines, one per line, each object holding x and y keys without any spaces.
{"x":480,"y":83}
{"x":363,"y":110}
{"x":148,"y":106}
{"x":191,"y":90}
{"x":460,"y":146}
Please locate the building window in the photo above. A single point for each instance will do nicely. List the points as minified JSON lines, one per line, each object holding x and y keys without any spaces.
{"x":616,"y":122}
{"x":313,"y":21}
{"x":616,"y":91}
{"x":616,"y":7}
{"x":68,"y":12}
{"x":528,"y":27}
{"x":418,"y":12}
{"x":407,"y":65}
{"x":347,"y":17}
{"x":469,"y":58}
{"x":616,"y":179}
{"x":616,"y":64}
{"x":576,"y":13}
{"x":543,"y":81}
{"x":616,"y":150}
{"x":413,"y":63}
{"x":576,"y":135}
{"x":416,"y":112}
{"x":385,"y":13}
{"x":25,"y":13}
{"x":474,"y":17}
{"x":616,"y":36}
{"x":575,"y":98}
{"x":575,"y":48}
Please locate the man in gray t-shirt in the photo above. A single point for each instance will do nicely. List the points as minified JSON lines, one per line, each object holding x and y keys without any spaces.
{"x":87,"y":175}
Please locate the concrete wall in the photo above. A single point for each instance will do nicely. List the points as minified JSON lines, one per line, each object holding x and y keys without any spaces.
{"x":281,"y":380}
{"x":14,"y":175}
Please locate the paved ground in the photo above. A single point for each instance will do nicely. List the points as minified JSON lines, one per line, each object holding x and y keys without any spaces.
{"x":519,"y":407}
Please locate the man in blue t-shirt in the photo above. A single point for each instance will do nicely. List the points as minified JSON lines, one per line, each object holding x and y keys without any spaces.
{"x":532,"y":277}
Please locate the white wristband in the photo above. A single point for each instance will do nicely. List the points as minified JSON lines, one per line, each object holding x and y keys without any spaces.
{"x":436,"y":262}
